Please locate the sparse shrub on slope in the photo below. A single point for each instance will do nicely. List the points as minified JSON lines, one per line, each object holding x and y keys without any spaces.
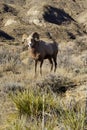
{"x":13,"y":87}
{"x":56,"y":83}
{"x":73,"y":120}
{"x":9,"y":60}
{"x":81,"y":44}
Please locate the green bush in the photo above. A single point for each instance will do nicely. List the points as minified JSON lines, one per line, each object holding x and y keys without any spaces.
{"x":31,"y":103}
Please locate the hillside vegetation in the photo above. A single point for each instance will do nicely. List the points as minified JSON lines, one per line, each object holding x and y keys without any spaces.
{"x":53,"y":101}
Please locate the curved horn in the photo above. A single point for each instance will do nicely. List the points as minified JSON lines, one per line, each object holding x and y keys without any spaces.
{"x":36,"y":36}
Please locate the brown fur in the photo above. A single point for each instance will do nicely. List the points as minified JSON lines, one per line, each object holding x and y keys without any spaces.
{"x":41,"y":50}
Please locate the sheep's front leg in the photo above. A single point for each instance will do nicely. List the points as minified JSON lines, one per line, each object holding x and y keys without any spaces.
{"x":41,"y":67}
{"x":35,"y":67}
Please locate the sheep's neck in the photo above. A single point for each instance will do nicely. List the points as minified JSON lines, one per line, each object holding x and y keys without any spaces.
{"x":35,"y":54}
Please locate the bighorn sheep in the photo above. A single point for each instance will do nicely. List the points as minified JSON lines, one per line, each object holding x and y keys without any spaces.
{"x":41,"y":50}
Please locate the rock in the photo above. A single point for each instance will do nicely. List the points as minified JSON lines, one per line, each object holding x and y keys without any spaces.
{"x":10,"y":21}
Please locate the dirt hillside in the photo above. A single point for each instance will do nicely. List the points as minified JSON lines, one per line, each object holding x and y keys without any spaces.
{"x":61,"y":18}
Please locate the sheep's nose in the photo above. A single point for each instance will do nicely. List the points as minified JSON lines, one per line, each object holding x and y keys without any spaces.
{"x":29,"y":44}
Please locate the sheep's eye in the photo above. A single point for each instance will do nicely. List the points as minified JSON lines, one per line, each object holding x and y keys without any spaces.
{"x":31,"y":40}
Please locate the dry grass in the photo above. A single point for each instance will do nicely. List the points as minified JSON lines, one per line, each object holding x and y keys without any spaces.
{"x":62,"y":81}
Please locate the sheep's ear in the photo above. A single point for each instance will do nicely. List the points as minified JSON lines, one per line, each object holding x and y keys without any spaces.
{"x":36,"y":36}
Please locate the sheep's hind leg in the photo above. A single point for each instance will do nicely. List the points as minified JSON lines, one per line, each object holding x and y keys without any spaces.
{"x":51,"y":62}
{"x":41,"y":67}
{"x":55,"y":62}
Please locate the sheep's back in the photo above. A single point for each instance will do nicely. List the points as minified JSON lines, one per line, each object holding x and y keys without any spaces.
{"x":46,"y":48}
